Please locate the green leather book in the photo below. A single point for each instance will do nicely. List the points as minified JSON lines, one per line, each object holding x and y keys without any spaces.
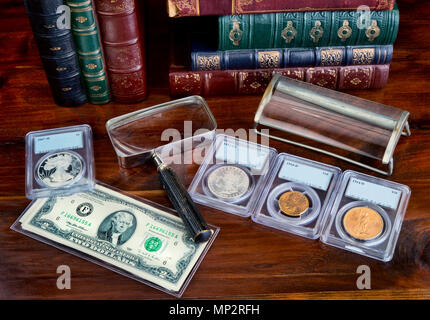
{"x":307,"y":29}
{"x":88,"y":46}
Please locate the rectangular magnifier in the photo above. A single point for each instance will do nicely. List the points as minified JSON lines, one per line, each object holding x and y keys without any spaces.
{"x":340,"y":122}
{"x":137,"y":137}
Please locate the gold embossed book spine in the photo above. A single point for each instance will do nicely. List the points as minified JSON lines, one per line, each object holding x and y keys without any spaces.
{"x":88,"y":44}
{"x":307,"y":29}
{"x":57,"y":51}
{"x":290,"y":57}
{"x":183,"y":8}
{"x":254,"y":81}
{"x":124,"y":48}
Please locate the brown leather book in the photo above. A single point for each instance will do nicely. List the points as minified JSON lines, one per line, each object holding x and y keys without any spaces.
{"x":252,"y":81}
{"x":182,"y":8}
{"x":124,"y":49}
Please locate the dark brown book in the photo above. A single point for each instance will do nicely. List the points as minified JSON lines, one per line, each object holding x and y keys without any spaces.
{"x":124,"y":49}
{"x":181,"y":8}
{"x":229,"y":82}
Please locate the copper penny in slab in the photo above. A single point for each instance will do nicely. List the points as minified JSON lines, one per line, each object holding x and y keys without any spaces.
{"x":363,"y":223}
{"x":293,"y":203}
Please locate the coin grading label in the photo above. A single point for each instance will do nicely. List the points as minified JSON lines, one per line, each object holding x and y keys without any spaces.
{"x":302,"y":173}
{"x":372,"y":192}
{"x":60,"y":141}
{"x":253,"y":157}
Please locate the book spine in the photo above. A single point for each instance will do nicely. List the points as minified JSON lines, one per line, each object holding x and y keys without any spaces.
{"x":183,"y":8}
{"x":307,"y":29}
{"x":242,"y":82}
{"x":57,"y":52}
{"x":123,"y":46}
{"x":295,"y":57}
{"x":87,"y":41}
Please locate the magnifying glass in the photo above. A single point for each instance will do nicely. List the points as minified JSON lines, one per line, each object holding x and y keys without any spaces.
{"x":137,"y":138}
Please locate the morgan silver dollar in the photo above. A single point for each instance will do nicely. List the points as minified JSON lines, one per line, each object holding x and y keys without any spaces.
{"x":60,"y":169}
{"x":228,"y":182}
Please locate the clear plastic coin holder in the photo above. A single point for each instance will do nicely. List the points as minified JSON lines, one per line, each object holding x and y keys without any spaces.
{"x":59,"y":161}
{"x":232,"y":175}
{"x":145,"y":265}
{"x":366,"y":215}
{"x":306,"y":186}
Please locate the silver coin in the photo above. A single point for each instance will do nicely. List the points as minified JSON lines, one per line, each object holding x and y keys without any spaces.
{"x":228,"y":182}
{"x":60,"y":169}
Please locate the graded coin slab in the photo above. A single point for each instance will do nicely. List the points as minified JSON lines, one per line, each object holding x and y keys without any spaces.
{"x":230,"y":183}
{"x":59,"y":169}
{"x":296,"y":195}
{"x":232,"y":176}
{"x":366,"y":215}
{"x":59,"y":161}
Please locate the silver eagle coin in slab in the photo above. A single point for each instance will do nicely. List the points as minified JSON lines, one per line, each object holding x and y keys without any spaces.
{"x":60,"y":169}
{"x":228,"y":182}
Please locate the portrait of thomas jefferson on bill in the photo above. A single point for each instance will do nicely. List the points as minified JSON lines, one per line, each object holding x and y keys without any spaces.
{"x":117,"y":228}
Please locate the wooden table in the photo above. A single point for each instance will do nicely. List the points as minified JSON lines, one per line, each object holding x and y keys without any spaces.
{"x":247,"y":260}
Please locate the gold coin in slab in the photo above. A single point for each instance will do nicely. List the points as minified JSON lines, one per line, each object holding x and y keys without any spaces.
{"x":363,"y":223}
{"x":293,"y":203}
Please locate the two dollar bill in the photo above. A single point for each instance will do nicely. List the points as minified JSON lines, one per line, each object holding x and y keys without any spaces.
{"x":133,"y":236}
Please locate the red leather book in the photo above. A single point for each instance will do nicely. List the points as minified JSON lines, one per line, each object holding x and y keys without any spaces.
{"x":252,"y":81}
{"x":124,"y":49}
{"x":182,"y":8}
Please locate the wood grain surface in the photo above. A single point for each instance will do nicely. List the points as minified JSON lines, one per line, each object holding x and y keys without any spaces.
{"x":247,"y":260}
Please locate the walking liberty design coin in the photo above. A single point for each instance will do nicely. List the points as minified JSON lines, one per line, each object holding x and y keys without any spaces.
{"x":293,"y":203}
{"x":228,"y":182}
{"x":363,"y":223}
{"x":60,"y":169}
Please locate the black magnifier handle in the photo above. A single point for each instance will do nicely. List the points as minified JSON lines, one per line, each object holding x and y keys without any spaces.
{"x":182,"y":202}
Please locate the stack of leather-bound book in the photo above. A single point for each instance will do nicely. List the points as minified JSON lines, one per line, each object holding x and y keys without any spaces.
{"x":235,"y":46}
{"x":92,"y":50}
